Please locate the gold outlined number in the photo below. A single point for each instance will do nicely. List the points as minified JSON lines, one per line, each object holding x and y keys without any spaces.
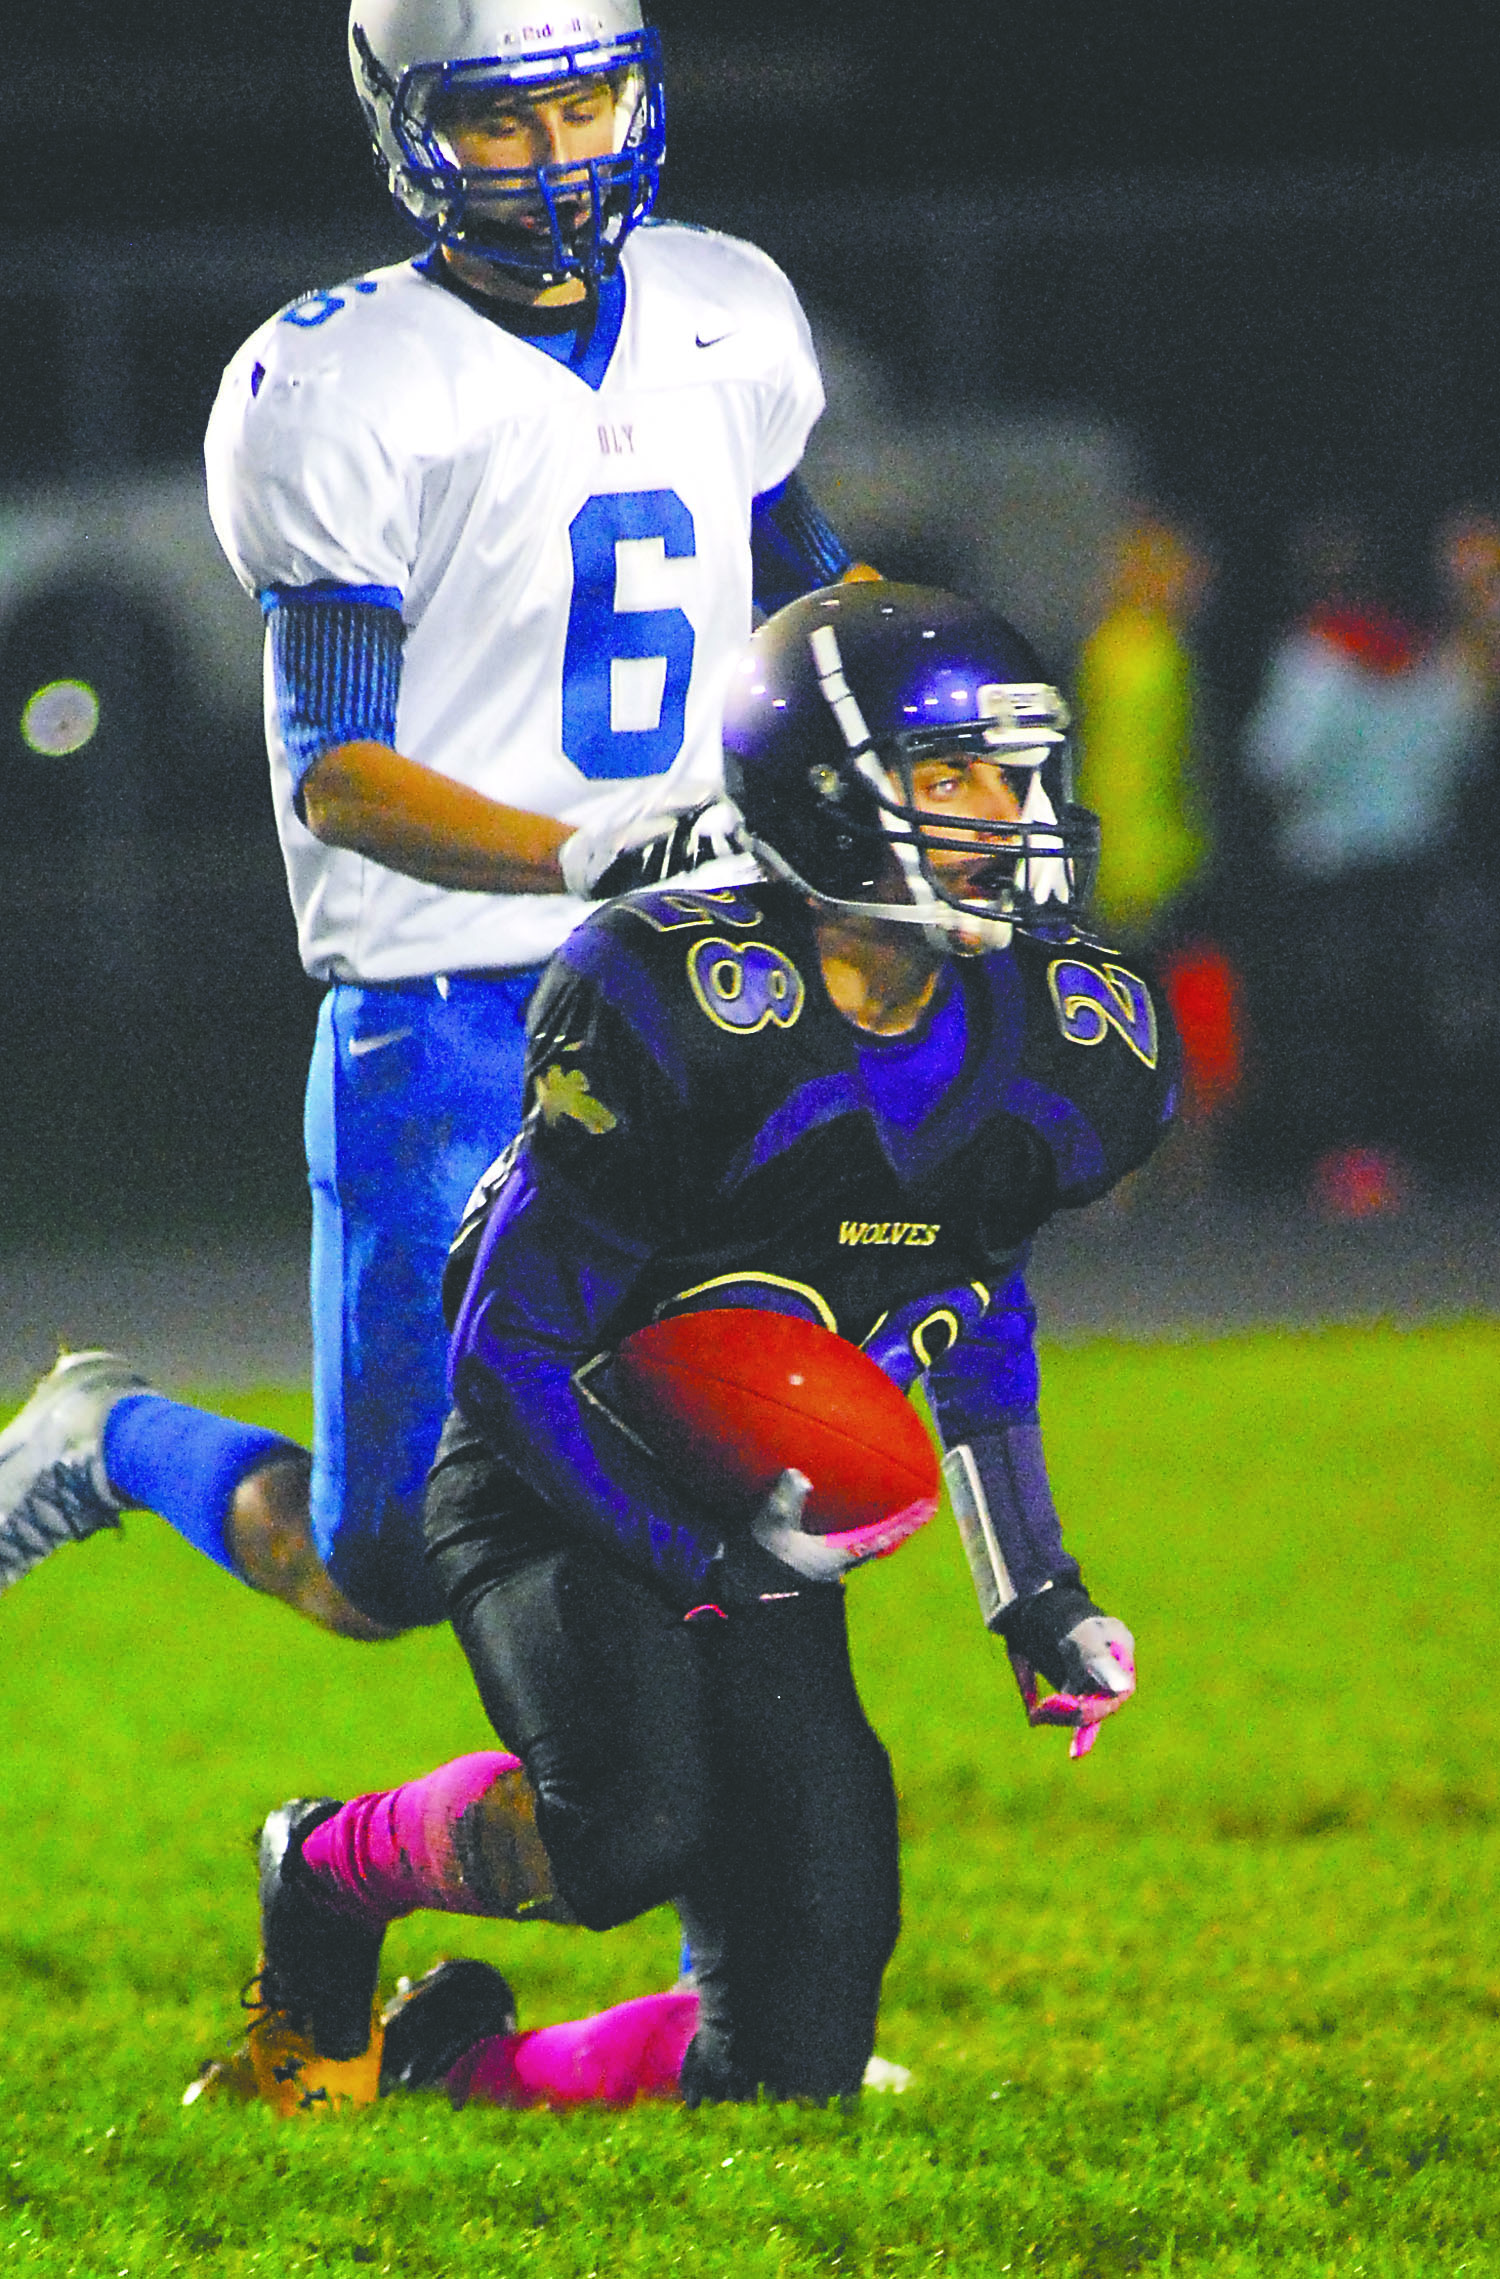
{"x":1090,"y":1001}
{"x":744,"y":987}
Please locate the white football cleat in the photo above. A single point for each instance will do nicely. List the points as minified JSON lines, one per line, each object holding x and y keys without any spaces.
{"x":883,"y":2076}
{"x":53,"y":1487}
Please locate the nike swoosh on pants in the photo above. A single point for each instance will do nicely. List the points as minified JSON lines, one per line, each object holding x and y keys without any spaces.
{"x":359,"y":1046}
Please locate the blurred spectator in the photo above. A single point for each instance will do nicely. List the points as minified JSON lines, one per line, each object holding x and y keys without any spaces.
{"x":1468,"y":570}
{"x":1140,"y":724}
{"x":1362,"y":737}
{"x":1360,"y":731}
{"x":1137,"y":705}
{"x":1204,"y":991}
{"x":1462,"y":966}
{"x":1206,"y":995}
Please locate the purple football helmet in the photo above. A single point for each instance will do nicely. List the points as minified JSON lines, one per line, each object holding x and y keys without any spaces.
{"x":840,"y":696}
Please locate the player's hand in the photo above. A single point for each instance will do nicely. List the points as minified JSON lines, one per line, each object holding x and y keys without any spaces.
{"x":612,"y":859}
{"x":1100,"y":1679}
{"x":1088,"y":1657}
{"x":778,"y":1528}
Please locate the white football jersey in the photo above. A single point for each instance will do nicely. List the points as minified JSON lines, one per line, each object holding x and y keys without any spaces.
{"x":572,"y":563}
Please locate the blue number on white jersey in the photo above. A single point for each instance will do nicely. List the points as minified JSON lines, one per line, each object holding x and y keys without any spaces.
{"x":316,"y":308}
{"x":602,"y":638}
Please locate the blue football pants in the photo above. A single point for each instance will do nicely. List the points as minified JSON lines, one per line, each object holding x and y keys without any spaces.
{"x":411,"y":1095}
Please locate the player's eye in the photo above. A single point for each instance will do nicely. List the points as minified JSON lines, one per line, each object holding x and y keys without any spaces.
{"x":487,"y":126}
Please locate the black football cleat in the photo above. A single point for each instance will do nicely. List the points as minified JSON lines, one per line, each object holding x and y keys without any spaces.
{"x":429,"y":2026}
{"x":319,"y":1968}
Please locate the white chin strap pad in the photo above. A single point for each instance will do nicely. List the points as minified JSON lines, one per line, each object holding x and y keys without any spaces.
{"x":1044,"y":876}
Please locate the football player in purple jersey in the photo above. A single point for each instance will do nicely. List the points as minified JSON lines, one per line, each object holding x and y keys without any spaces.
{"x":900,"y":1021}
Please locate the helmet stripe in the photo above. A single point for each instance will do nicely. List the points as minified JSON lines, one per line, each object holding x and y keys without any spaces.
{"x":828,"y":658}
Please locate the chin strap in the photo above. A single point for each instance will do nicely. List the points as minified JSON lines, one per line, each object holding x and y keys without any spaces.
{"x":952,"y":931}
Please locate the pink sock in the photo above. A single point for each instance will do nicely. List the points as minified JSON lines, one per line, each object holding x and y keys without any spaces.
{"x":634,"y":2050}
{"x":399,"y":1849}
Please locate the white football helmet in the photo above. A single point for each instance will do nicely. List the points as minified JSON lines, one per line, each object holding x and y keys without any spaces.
{"x":416,"y":61}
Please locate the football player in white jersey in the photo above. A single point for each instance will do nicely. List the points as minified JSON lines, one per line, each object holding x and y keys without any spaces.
{"x":506,"y":508}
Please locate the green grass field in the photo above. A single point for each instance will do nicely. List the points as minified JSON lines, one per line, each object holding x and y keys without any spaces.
{"x":1225,"y":1997}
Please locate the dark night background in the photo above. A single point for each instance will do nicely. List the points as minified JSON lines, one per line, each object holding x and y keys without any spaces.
{"x":131,"y":115}
{"x":1260,"y":242}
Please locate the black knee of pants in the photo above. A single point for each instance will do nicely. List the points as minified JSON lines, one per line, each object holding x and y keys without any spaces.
{"x":594,"y":1683}
{"x":792,"y":1930}
{"x":590,"y":1676}
{"x":727,"y":1765}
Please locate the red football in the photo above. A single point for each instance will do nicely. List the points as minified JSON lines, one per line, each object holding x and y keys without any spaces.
{"x":732,"y":1398}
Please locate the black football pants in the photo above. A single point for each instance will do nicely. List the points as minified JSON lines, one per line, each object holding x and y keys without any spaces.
{"x":724,"y":1766}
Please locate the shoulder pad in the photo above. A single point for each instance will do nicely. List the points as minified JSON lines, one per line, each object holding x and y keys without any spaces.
{"x":690,"y":968}
{"x":1099,"y":1041}
{"x":318,"y":435}
{"x":1097,"y":999}
{"x":711,"y":254}
{"x":720,"y":285}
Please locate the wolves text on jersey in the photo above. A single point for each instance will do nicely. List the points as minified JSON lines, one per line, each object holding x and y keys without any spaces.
{"x":889,"y":1234}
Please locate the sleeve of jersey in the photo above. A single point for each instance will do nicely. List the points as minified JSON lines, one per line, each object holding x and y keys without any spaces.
{"x":983,"y":1394}
{"x":303,"y":488}
{"x":535,"y":1312}
{"x":569,"y":1234}
{"x":792,"y":548}
{"x":795,"y":403}
{"x":1100,"y":1081}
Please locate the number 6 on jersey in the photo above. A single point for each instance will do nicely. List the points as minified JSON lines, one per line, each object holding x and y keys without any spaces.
{"x":625,"y":671}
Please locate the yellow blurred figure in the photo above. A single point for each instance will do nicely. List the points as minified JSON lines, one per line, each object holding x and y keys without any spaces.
{"x":1135,"y":698}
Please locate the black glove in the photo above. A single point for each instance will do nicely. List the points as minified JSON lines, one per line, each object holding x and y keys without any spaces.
{"x":1037,"y":1629}
{"x":684,"y":843}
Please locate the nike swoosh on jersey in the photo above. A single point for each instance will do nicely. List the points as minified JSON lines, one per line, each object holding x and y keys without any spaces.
{"x":359,"y":1046}
{"x":718,"y":336}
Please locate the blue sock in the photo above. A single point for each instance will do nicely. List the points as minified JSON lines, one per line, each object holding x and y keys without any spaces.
{"x":184,"y":1464}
